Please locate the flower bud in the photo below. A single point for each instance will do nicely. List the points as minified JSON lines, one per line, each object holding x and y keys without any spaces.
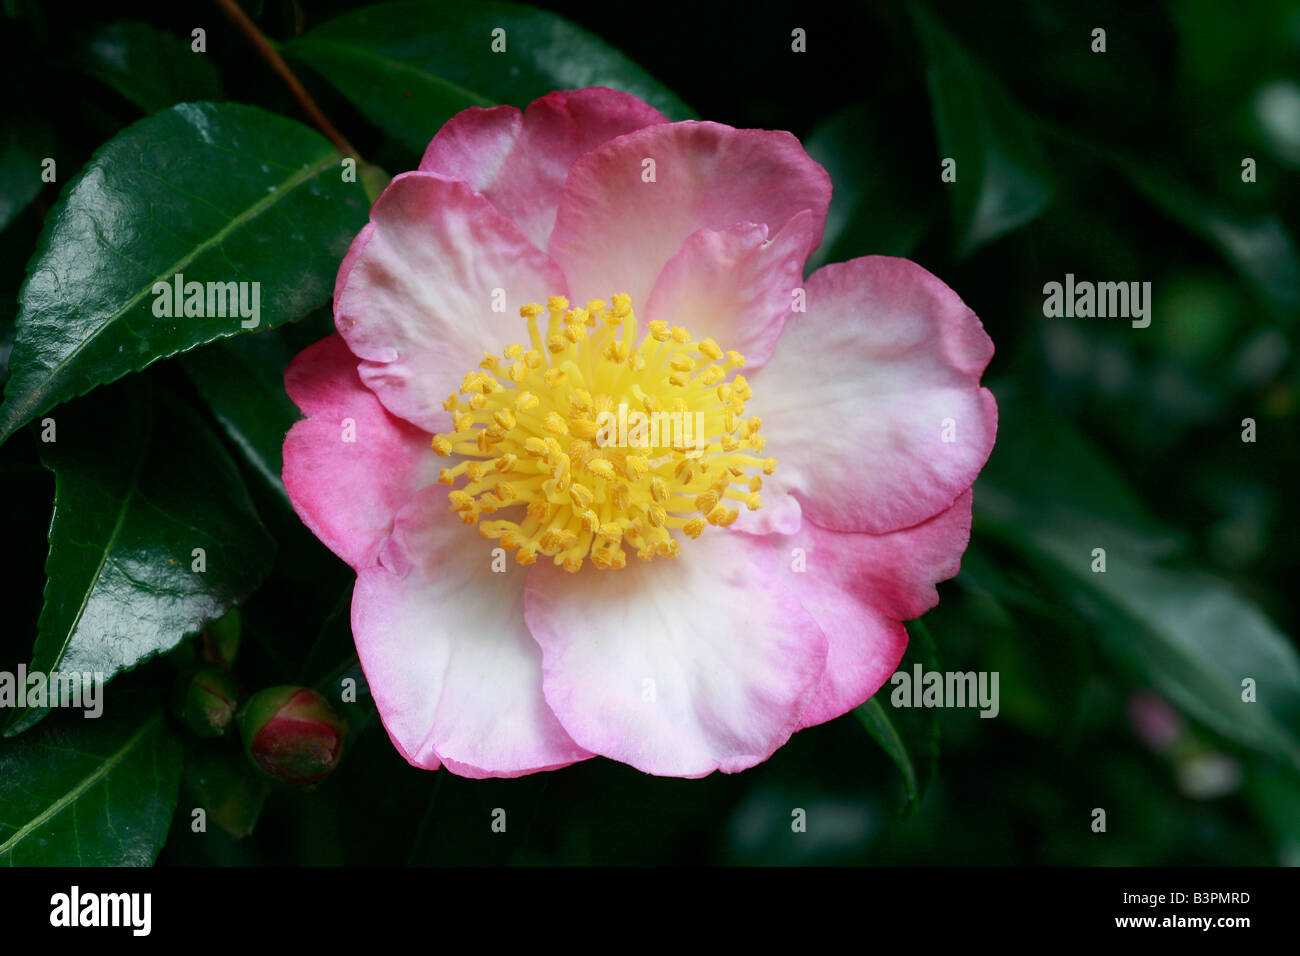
{"x":292,"y":734}
{"x":209,"y":702}
{"x":219,"y":643}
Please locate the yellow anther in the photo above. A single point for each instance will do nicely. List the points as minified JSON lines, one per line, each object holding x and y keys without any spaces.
{"x":710,"y":348}
{"x":718,"y":515}
{"x":581,"y":496}
{"x":583,"y":428}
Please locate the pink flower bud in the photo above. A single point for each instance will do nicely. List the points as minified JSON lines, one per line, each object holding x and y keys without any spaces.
{"x":292,"y":734}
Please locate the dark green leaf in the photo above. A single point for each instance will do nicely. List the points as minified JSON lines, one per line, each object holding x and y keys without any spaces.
{"x":410,"y":66}
{"x":140,"y":484}
{"x":910,"y":739}
{"x":1188,"y":635}
{"x":242,"y":380}
{"x":217,"y":192}
{"x":1257,"y":246}
{"x":874,"y":209}
{"x":23,"y":145}
{"x":85,"y":792}
{"x":1193,"y":637}
{"x":150,"y":67}
{"x":223,"y":783}
{"x":1003,"y":180}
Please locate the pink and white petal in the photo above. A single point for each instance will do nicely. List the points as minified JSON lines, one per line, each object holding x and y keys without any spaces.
{"x":615,"y":232}
{"x":417,"y":302}
{"x":781,"y":512}
{"x":872,"y":404}
{"x":441,"y":637}
{"x":680,"y":666}
{"x":520,"y":161}
{"x":349,"y":466}
{"x":859,"y":588}
{"x":735,"y":285}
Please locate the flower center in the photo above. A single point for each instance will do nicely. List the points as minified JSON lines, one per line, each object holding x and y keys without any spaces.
{"x":600,"y":441}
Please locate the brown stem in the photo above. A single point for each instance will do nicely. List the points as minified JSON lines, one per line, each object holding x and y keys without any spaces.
{"x":235,"y":14}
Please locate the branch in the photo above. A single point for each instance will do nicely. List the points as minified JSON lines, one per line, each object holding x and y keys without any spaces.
{"x":235,"y":14}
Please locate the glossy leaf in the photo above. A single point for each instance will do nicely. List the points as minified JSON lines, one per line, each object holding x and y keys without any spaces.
{"x":410,"y":66}
{"x":141,"y":483}
{"x":152,"y":68}
{"x":218,"y":193}
{"x":83,"y":792}
{"x":1003,"y":180}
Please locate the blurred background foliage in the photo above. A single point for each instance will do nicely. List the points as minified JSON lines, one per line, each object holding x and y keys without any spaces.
{"x":1119,"y":691}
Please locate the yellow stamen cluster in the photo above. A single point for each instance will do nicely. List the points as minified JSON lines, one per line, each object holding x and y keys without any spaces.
{"x":541,"y":429}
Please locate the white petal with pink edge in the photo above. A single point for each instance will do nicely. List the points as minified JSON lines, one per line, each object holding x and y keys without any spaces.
{"x":520,"y":161}
{"x":734,"y":285}
{"x":859,"y":588}
{"x":441,"y":637}
{"x":615,"y":230}
{"x":872,"y":404}
{"x":679,"y":666}
{"x":437,"y":282}
{"x":349,"y":466}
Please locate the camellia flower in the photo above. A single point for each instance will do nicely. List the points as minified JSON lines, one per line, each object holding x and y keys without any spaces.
{"x":518,"y":325}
